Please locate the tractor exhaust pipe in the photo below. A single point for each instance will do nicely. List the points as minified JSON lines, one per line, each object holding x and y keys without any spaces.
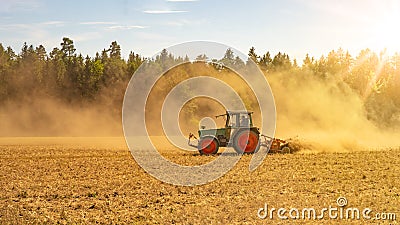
{"x":191,"y":136}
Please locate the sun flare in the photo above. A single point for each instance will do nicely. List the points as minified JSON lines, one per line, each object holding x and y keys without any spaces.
{"x":386,"y":34}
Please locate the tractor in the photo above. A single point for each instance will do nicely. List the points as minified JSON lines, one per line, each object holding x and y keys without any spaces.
{"x":239,"y":133}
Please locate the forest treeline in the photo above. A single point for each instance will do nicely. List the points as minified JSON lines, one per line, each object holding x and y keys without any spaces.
{"x":62,"y":73}
{"x":65,"y":75}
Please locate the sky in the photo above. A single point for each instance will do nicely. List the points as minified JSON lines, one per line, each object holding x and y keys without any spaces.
{"x":296,"y":27}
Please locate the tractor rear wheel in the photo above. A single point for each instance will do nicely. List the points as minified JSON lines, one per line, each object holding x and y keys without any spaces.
{"x":246,"y":141}
{"x":208,"y":146}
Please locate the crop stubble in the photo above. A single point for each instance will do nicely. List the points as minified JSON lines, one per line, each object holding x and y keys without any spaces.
{"x":97,"y":180}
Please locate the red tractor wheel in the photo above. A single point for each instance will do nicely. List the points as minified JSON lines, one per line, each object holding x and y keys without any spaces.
{"x":246,"y":141}
{"x":208,"y":146}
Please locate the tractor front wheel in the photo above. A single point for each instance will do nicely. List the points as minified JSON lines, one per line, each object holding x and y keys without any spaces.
{"x":246,"y":141}
{"x":208,"y":146}
{"x":286,"y":150}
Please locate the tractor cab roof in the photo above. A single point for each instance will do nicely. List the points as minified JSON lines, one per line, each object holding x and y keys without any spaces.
{"x":237,"y":118}
{"x":235,"y":112}
{"x":238,"y":112}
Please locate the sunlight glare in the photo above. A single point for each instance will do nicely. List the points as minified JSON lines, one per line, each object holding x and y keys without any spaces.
{"x":387,"y":32}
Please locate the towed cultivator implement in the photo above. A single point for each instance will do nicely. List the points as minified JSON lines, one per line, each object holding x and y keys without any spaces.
{"x":238,"y":133}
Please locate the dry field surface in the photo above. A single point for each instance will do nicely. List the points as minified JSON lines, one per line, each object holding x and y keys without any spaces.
{"x":96,"y":180}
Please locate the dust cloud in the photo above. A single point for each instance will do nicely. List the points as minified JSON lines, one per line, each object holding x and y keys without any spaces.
{"x":319,"y":115}
{"x":53,"y":117}
{"x":325,"y":116}
{"x":194,"y":110}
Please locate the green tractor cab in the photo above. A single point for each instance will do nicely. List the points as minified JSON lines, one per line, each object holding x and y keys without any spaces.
{"x":239,"y":133}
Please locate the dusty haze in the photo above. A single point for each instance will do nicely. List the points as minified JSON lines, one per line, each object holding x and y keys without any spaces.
{"x":326,"y":115}
{"x":321,"y":115}
{"x":43,"y":116}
